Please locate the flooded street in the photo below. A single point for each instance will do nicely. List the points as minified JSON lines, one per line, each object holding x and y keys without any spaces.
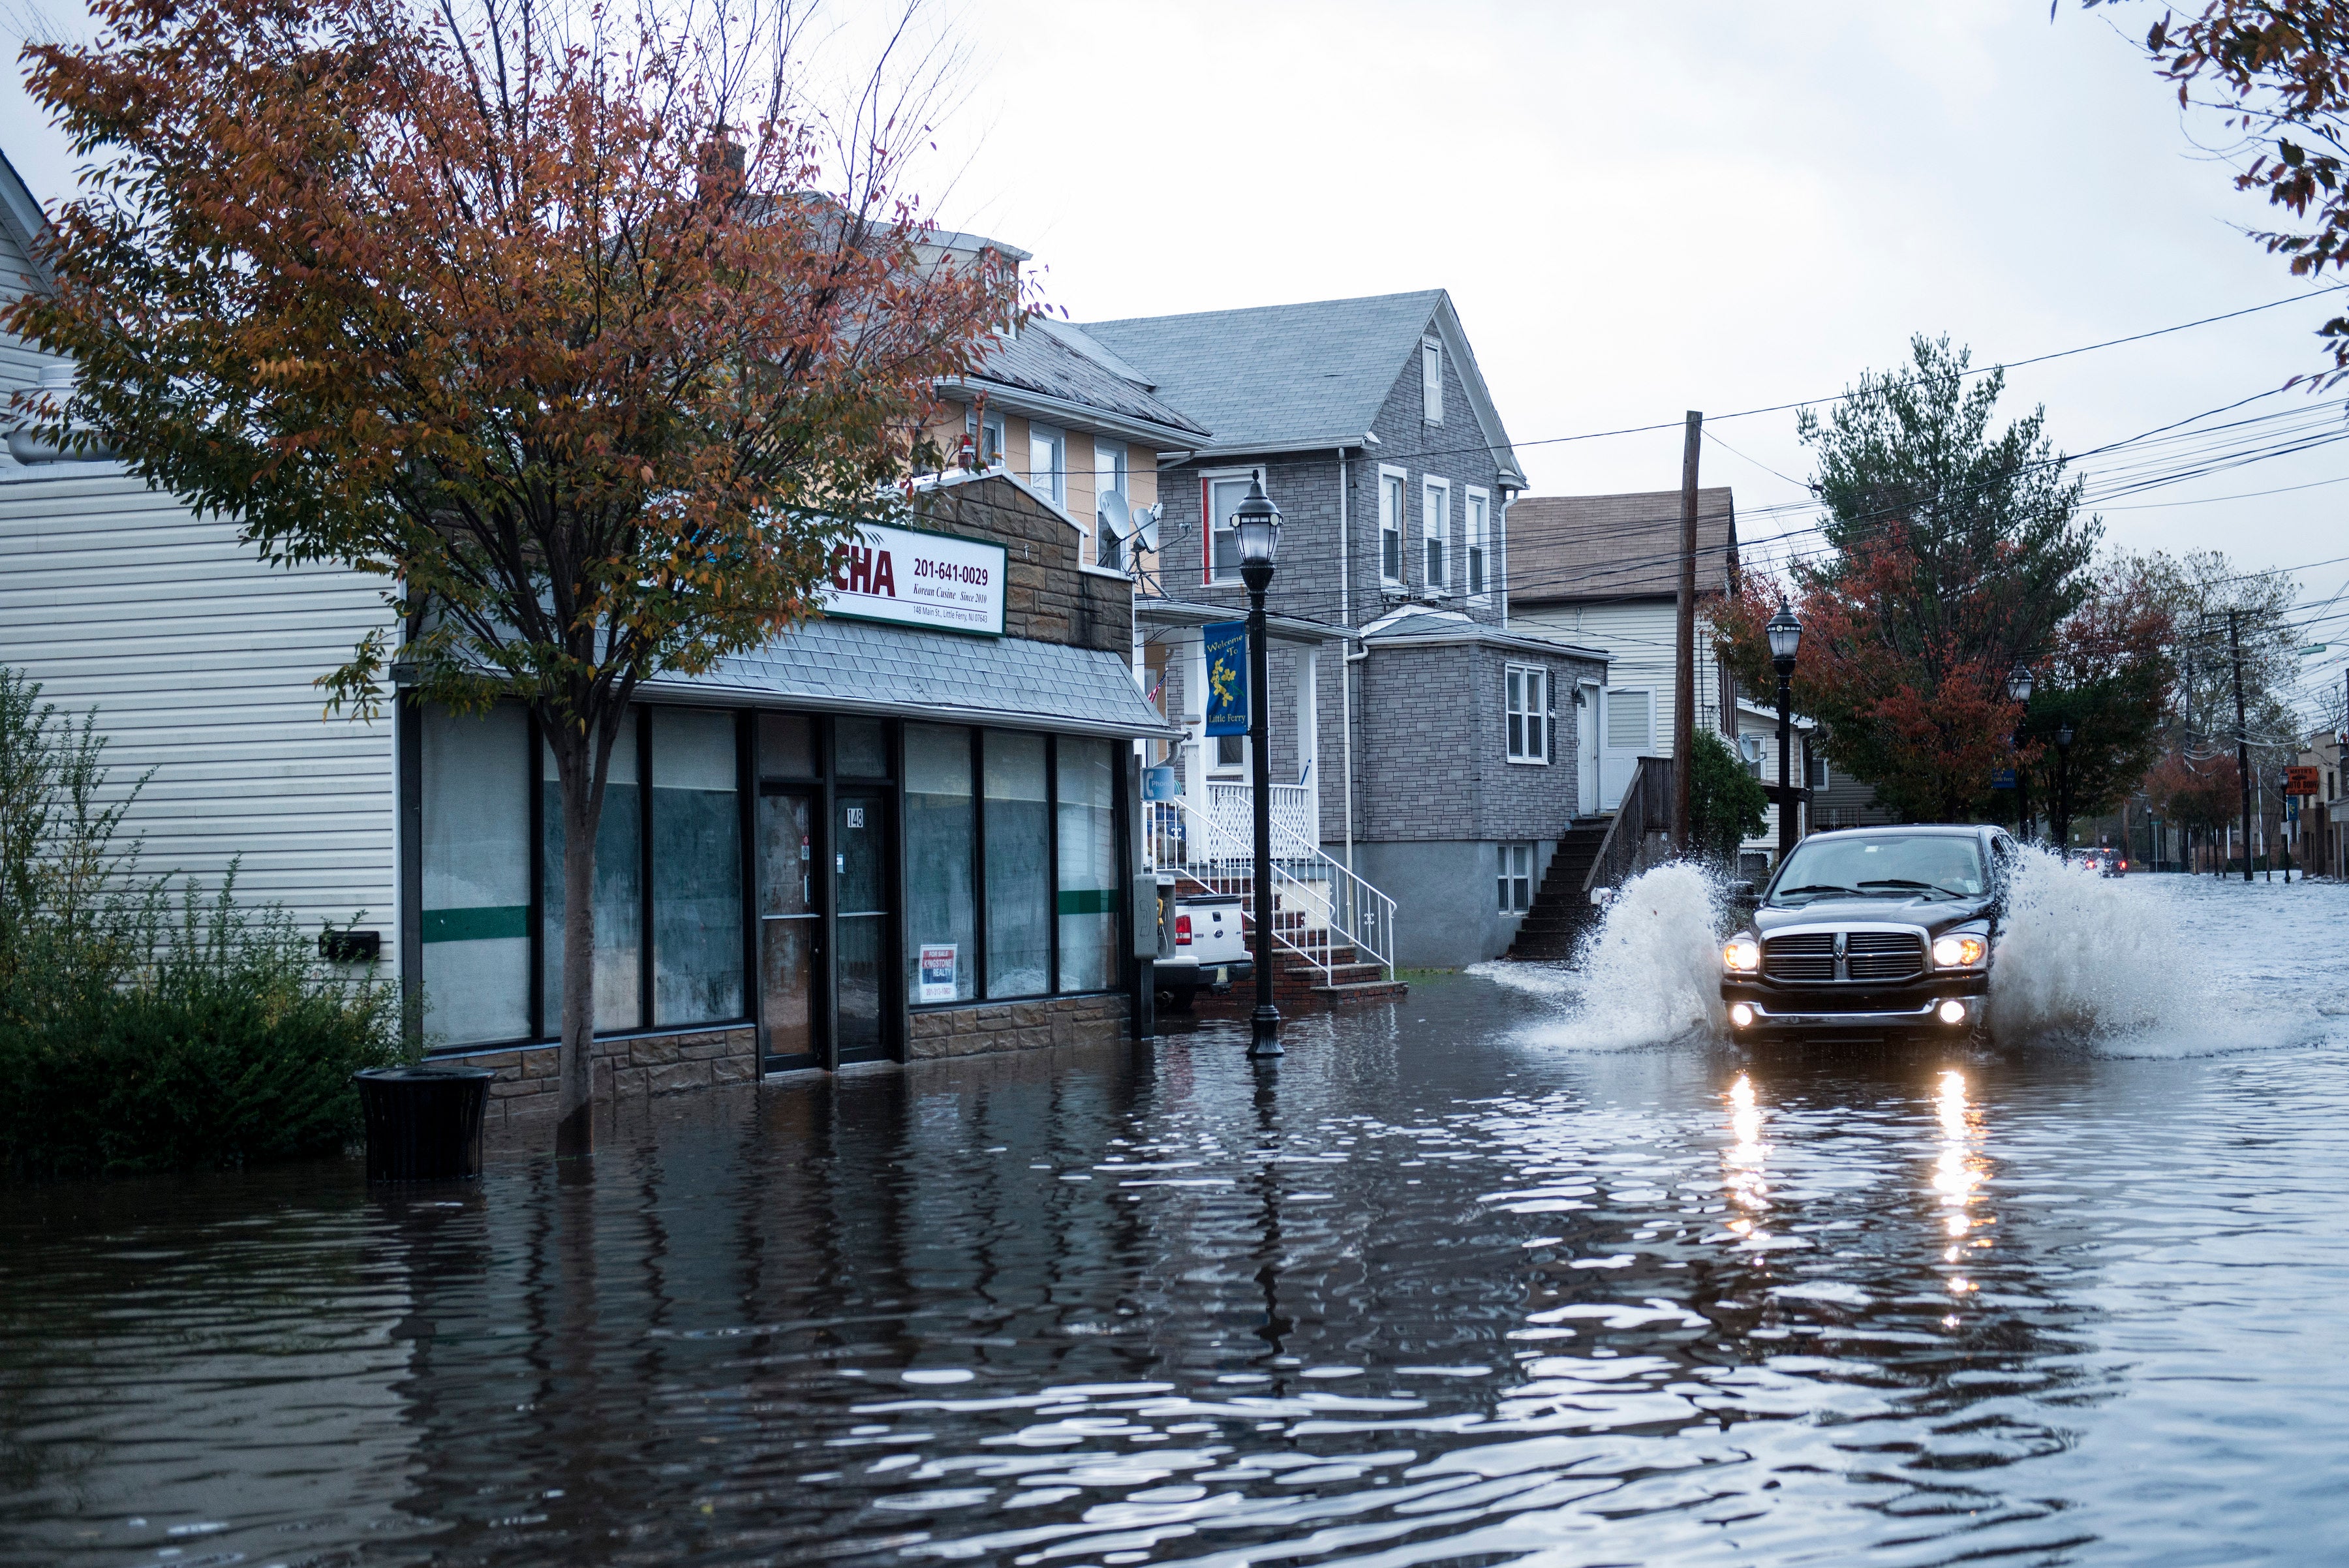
{"x":1491,"y":1275}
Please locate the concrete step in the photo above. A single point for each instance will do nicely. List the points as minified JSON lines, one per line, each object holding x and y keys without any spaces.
{"x":1361,"y":990}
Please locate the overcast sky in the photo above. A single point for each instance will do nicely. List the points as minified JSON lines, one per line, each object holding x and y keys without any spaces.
{"x":1640,"y":210}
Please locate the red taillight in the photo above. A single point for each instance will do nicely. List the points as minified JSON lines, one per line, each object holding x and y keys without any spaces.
{"x":2124,"y":865}
{"x":1182,"y":931}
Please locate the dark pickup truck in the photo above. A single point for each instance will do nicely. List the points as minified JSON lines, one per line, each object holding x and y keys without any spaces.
{"x":1872,"y":931}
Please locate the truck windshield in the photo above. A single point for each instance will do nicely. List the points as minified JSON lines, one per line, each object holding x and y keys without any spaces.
{"x":1891,"y":864}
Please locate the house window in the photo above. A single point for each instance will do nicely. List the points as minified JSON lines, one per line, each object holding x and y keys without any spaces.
{"x":1220,"y":495}
{"x":1435,"y":528}
{"x":1815,"y":769}
{"x":1048,"y":464}
{"x":1231,"y":752}
{"x":1516,"y":877}
{"x":1629,"y":727}
{"x":991,"y":442}
{"x":1479,"y":514}
{"x":1528,"y":703}
{"x":1431,"y":380}
{"x":1109,"y":479}
{"x":1390,"y":484}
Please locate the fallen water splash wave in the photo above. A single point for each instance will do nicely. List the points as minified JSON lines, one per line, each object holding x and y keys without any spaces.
{"x":2086,"y":957}
{"x":1648,"y":973}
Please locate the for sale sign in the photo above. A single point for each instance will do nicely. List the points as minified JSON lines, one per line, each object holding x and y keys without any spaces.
{"x":909,"y":577}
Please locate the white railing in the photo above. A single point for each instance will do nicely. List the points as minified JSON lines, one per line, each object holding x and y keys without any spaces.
{"x":1295,"y":812}
{"x":1320,"y":908}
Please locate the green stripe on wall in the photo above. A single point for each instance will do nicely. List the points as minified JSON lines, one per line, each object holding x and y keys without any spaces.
{"x":484,"y":925}
{"x":1088,"y":901}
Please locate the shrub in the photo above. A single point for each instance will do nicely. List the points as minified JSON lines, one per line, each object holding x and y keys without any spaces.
{"x":140,"y":1032}
{"x":1726,"y":804}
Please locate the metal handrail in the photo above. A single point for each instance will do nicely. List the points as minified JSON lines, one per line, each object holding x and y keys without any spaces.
{"x":1327,"y":906}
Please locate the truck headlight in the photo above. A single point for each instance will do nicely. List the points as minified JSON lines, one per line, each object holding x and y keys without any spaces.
{"x":1741,"y":956}
{"x":1960,"y":949}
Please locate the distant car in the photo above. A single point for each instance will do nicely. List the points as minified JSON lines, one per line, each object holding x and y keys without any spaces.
{"x":1210,"y":952}
{"x":1872,"y":931}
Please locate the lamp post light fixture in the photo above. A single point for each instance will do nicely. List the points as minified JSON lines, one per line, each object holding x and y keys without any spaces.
{"x":1257,"y":523}
{"x":1786,"y":634}
{"x":2018,"y":686}
{"x":2063,"y":791}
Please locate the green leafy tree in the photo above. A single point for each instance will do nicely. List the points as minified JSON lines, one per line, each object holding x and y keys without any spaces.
{"x":1727,"y":804}
{"x":1956,"y":551}
{"x":2107,"y":676}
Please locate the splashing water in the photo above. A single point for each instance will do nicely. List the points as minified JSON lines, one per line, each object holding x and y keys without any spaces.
{"x":1651,"y":972}
{"x":2085,"y":957}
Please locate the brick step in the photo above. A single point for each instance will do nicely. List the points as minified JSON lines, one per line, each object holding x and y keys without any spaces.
{"x":1340,"y":974}
{"x":1361,"y":990}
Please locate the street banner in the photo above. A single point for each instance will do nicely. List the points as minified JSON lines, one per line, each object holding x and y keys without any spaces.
{"x":908,"y":577}
{"x":1226,"y":645}
{"x":2002,"y":778}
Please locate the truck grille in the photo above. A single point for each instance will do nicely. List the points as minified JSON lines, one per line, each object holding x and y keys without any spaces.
{"x":1874,"y":956}
{"x":1807,"y":955}
{"x":1884,"y":955}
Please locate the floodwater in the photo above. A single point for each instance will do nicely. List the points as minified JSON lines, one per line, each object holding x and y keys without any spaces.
{"x":1498,"y":1274}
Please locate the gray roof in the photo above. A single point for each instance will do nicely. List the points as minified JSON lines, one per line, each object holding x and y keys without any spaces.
{"x":1563,"y":548}
{"x":1416,"y":627}
{"x":1292,"y":378}
{"x":857,"y":666}
{"x":1045,"y":358}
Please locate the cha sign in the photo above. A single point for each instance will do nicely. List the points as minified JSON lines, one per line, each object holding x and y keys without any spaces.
{"x":905,"y":576}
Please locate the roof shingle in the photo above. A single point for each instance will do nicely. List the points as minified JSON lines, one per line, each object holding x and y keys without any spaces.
{"x":1581,"y":547}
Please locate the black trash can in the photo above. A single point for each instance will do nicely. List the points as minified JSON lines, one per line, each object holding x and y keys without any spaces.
{"x":423,"y":1123}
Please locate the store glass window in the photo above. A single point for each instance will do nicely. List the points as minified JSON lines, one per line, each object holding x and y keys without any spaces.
{"x":1019,"y":867}
{"x":1087,"y":895}
{"x":786,"y":746}
{"x":696,"y":867}
{"x":861,"y":746}
{"x":476,"y":851}
{"x":941,"y":845}
{"x":619,"y":892}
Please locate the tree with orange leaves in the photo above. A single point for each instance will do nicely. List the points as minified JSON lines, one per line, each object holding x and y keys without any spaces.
{"x":543,"y":317}
{"x":1956,"y":551}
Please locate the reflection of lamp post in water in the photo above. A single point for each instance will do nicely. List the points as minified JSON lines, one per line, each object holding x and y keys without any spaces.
{"x":1257,"y":523}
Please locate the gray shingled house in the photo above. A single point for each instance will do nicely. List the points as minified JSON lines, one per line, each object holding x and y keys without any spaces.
{"x":1418,"y":741}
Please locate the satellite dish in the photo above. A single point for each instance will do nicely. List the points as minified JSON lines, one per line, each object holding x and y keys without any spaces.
{"x":1148,"y":519}
{"x":1114,"y":512}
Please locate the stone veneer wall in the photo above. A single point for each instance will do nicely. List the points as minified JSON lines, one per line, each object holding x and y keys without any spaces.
{"x":1017,"y":1026}
{"x":639,"y":1064}
{"x":647,"y":1064}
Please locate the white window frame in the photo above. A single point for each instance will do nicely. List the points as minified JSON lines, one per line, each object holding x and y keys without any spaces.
{"x":1476,"y":554}
{"x":1435,"y":532}
{"x":1528,"y":714}
{"x":1394,"y":495}
{"x":1053,"y":482}
{"x":994,"y":436}
{"x":1430,"y":379}
{"x":1514,"y":868}
{"x":1208,"y":479}
{"x":1111,"y":479}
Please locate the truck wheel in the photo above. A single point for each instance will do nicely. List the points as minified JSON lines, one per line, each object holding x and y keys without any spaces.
{"x":1178,"y":1000}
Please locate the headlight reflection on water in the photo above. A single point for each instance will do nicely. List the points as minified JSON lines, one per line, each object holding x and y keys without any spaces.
{"x":1743,"y":1177}
{"x":1959,"y":1173}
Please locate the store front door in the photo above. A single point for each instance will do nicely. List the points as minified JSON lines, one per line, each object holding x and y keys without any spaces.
{"x":861,"y":919}
{"x":791,"y":930}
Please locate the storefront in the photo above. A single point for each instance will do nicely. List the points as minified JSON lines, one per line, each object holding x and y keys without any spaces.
{"x":867,"y":842}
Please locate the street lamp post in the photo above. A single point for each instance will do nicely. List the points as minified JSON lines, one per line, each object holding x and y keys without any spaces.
{"x":1786,"y":634}
{"x":1257,"y":523}
{"x":2063,"y":791}
{"x":2018,"y":686}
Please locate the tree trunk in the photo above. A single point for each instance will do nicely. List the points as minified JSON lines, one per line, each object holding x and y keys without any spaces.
{"x":581,"y":764}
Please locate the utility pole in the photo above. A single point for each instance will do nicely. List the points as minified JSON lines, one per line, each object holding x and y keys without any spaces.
{"x":2242,"y":737}
{"x":1684,"y":653}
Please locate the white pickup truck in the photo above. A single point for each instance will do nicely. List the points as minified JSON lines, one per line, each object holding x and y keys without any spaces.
{"x":1207,"y":951}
